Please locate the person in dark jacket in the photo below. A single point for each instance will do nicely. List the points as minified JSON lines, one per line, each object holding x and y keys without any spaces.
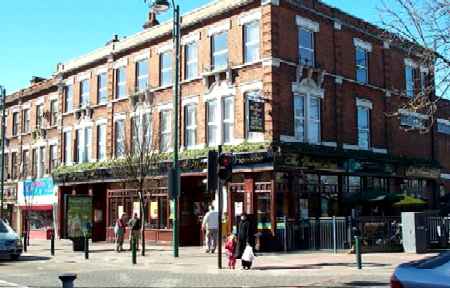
{"x":245,"y":236}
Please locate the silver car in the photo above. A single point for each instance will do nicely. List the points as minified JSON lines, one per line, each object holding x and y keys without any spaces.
{"x":10,"y":244}
{"x":432,"y":272}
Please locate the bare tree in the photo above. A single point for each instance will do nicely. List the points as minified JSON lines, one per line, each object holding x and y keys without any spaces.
{"x":422,"y":29}
{"x":139,"y":158}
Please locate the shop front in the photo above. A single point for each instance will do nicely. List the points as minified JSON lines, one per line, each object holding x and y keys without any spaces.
{"x":37,"y":207}
{"x":9,"y":204}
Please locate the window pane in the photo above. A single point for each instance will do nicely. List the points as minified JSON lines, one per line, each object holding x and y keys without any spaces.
{"x":142,"y":75}
{"x":120,"y":138}
{"x":166,"y":68}
{"x":363,"y":139}
{"x":299,"y":116}
{"x":228,"y":120}
{"x":101,"y":142}
{"x":68,"y":98}
{"x":84,"y":92}
{"x":220,"y":51}
{"x":101,"y":93}
{"x":251,"y":42}
{"x":165,"y":131}
{"x":191,"y":60}
{"x":363,"y":119}
{"x":409,"y":79}
{"x":121,"y":83}
{"x":361,"y":57}
{"x":306,"y":47}
{"x":306,"y":39}
{"x":212,"y":123}
{"x":315,"y":108}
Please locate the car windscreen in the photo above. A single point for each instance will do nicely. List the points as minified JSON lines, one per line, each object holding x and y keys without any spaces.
{"x":3,"y":227}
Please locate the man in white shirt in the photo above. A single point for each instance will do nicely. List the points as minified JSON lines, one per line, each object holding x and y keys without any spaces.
{"x":211,"y":226}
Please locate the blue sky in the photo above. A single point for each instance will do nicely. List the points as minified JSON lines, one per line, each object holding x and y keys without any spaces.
{"x":36,"y":35}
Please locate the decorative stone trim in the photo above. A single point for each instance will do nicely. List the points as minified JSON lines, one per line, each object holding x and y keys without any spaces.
{"x":101,"y":121}
{"x":120,"y":63}
{"x":364,"y":103}
{"x":307,"y":23}
{"x":53,"y":96}
{"x":67,"y":129}
{"x":84,"y":76}
{"x":380,"y":150}
{"x":190,"y":38}
{"x":39,"y":101}
{"x":351,"y":147}
{"x":165,"y":48}
{"x":190,"y":100}
{"x":165,"y":106}
{"x":362,"y":44}
{"x":249,"y":17}
{"x":142,"y":56}
{"x":52,"y":142}
{"x":119,"y":116}
{"x":271,"y":2}
{"x":275,"y":62}
{"x":415,"y":114}
{"x":219,"y":28}
{"x":101,"y":70}
{"x":69,"y":81}
{"x":251,"y":86}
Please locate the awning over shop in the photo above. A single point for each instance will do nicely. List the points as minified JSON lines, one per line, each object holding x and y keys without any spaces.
{"x":410,"y":201}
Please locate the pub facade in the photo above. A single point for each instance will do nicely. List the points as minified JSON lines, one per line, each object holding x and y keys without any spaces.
{"x":293,"y":89}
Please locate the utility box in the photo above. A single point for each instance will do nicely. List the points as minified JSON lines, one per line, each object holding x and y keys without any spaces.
{"x":414,"y":232}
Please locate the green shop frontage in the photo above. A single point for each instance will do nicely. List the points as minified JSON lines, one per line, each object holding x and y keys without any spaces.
{"x":296,"y":181}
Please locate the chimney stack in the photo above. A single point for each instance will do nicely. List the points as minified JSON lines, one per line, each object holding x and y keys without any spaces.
{"x":152,"y":21}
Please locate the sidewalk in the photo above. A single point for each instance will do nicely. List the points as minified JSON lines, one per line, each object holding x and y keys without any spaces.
{"x":107,"y":268}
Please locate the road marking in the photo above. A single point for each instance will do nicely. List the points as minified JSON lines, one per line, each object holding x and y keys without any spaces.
{"x":4,"y":284}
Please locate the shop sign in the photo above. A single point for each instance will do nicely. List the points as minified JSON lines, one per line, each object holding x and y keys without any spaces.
{"x":255,"y":115}
{"x":251,"y":158}
{"x":10,"y":194}
{"x":36,"y":192}
{"x":352,"y":165}
{"x":421,"y":172}
{"x":306,"y":162}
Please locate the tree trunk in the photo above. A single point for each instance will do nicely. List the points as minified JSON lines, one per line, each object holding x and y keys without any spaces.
{"x":141,"y":198}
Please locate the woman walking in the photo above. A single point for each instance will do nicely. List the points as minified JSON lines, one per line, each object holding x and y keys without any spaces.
{"x":119,"y":230}
{"x":245,"y":238}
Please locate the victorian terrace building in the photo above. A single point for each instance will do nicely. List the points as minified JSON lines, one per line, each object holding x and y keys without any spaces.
{"x":298,"y":90}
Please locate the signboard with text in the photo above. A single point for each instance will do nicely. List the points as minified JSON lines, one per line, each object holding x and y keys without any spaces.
{"x":255,"y":115}
{"x":78,"y":216}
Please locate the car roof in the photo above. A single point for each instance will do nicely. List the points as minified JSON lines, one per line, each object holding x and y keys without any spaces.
{"x":434,"y":262}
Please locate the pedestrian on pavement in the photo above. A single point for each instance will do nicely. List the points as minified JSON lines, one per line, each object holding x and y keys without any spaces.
{"x":246,"y":237}
{"x":135,"y":227}
{"x":230,"y":247}
{"x":119,"y":230}
{"x":210,"y":226}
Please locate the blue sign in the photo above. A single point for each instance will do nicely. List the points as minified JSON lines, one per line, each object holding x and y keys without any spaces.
{"x":38,"y":188}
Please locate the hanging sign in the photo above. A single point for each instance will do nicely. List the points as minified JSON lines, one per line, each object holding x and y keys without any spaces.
{"x":255,"y":115}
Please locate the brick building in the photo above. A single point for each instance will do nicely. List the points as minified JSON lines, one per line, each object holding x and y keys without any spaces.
{"x":297,"y":89}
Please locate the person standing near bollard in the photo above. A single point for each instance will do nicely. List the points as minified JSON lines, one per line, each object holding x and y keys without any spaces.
{"x":135,"y":226}
{"x":210,"y":226}
{"x":119,"y":230}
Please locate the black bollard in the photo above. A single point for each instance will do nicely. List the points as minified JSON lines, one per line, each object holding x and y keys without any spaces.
{"x":52,"y":244}
{"x":25,"y":246}
{"x":86,"y":247}
{"x":133,"y":250}
{"x":67,"y":280}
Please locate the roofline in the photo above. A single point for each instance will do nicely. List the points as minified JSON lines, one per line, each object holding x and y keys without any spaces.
{"x":207,"y":11}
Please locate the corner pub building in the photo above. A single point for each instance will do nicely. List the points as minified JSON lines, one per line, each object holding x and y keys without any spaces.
{"x":297,"y":90}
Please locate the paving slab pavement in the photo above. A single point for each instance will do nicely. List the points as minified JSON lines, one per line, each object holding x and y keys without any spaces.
{"x":195,"y":268}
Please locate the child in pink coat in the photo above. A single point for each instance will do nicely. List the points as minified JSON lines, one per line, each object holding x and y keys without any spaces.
{"x":230,"y":247}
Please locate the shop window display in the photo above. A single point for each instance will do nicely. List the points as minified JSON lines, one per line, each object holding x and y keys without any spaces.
{"x":40,"y":220}
{"x":263,"y":211}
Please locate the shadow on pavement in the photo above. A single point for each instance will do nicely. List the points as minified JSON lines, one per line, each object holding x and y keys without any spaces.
{"x":318,"y":266}
{"x":23,"y":258}
{"x":366,"y":284}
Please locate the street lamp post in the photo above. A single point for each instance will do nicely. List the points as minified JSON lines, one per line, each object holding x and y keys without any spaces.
{"x":162,"y":6}
{"x":2,"y":167}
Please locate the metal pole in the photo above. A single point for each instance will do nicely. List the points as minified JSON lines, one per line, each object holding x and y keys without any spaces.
{"x":133,"y":250}
{"x":2,"y":173}
{"x":176,"y":92}
{"x":334,"y":235}
{"x":86,"y":247}
{"x":52,"y":244}
{"x":358,"y":252}
{"x":220,"y":200}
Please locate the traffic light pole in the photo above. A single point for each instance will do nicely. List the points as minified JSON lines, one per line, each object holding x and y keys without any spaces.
{"x":2,"y":173}
{"x":220,"y":204}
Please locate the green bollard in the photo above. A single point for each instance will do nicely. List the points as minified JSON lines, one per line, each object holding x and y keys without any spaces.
{"x":133,"y":250}
{"x":358,"y":252}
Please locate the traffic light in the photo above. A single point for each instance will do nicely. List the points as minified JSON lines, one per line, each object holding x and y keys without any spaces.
{"x":212,"y":171}
{"x":225,"y":166}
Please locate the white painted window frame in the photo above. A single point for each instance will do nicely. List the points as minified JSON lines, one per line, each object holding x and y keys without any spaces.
{"x":253,"y":44}
{"x":365,"y":106}
{"x":166,"y":70}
